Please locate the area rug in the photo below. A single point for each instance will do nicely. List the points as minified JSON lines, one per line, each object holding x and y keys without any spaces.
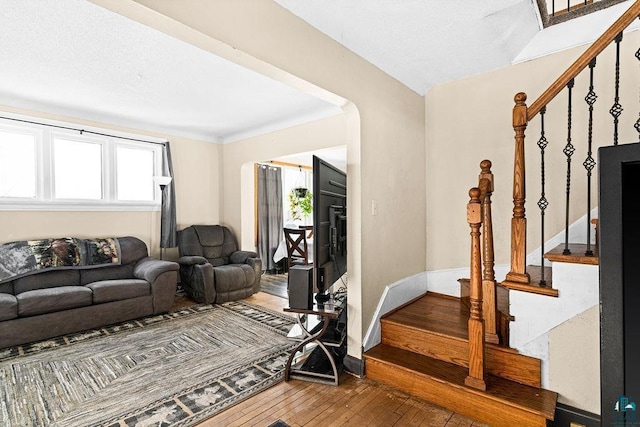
{"x":173,"y":370}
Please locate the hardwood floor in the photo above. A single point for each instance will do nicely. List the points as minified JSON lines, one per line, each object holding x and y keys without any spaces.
{"x":356,"y":401}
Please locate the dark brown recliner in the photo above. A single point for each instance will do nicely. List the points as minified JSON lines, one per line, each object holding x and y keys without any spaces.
{"x":212,"y":269}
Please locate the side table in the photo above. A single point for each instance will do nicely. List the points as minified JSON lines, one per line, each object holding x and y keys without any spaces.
{"x":299,"y":365}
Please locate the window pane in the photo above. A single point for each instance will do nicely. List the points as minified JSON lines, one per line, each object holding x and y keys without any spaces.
{"x":78,"y":170}
{"x":17,"y":165}
{"x":135,"y":174}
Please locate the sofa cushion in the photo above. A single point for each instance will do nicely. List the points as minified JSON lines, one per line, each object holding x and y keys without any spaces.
{"x":116,"y":290}
{"x":6,"y":288}
{"x":41,"y":301}
{"x":111,"y":272}
{"x":46,"y":279}
{"x":233,"y":276}
{"x":8,"y":307}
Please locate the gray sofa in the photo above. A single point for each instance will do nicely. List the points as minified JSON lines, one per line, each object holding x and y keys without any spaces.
{"x":55,"y":301}
{"x":212,"y":269}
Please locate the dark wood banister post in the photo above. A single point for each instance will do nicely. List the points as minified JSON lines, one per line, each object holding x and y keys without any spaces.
{"x":519,"y":222}
{"x":489,"y":302}
{"x":477,"y":376}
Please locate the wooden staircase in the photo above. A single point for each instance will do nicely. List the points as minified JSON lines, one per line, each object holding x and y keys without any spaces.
{"x":454,"y":352}
{"x":425,"y":352}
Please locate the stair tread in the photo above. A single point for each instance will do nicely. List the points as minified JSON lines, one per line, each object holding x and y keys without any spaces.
{"x":534,"y":286}
{"x":434,"y":312}
{"x":532,"y":399}
{"x":577,"y":255}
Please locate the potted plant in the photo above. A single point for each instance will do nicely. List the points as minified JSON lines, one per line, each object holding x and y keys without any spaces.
{"x":300,"y":203}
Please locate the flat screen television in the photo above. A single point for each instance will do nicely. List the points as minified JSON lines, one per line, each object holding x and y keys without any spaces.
{"x":329,"y":226}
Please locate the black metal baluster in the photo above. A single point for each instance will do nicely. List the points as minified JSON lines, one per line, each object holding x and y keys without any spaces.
{"x":543,"y":202}
{"x":616,"y":109}
{"x":568,"y":151}
{"x":553,"y":8}
{"x":568,"y":6}
{"x":589,"y":162}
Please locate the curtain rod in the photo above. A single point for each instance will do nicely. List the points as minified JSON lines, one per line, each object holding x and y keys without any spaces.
{"x":291,"y":165}
{"x":81,"y":130}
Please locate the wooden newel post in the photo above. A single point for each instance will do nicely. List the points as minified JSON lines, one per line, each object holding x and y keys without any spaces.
{"x":519,"y":222}
{"x":489,"y":301}
{"x":477,"y":376}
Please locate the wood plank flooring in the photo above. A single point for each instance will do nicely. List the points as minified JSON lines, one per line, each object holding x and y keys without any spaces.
{"x":355,"y":402}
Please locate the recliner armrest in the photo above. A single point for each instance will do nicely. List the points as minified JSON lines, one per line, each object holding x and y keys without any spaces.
{"x":149,"y":268}
{"x":192,"y":260}
{"x":241,"y":257}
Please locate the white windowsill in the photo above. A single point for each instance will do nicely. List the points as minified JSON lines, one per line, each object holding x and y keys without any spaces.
{"x":75,"y":206}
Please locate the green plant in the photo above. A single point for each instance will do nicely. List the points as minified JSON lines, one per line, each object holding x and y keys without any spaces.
{"x":300,"y":207}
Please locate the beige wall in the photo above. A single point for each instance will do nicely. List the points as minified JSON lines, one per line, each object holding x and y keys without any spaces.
{"x":196,"y":166}
{"x":238,"y":209}
{"x":387,"y":144}
{"x":470,"y":120}
{"x":574,"y":361}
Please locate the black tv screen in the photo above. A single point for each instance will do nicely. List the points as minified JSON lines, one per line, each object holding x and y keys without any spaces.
{"x":329,"y":225}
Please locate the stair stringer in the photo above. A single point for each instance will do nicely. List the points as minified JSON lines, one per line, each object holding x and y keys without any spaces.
{"x":538,"y":316}
{"x":535,"y":315}
{"x":394,"y":295}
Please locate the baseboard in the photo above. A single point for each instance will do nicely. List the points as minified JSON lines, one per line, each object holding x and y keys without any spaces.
{"x":568,"y":416}
{"x":354,"y":365}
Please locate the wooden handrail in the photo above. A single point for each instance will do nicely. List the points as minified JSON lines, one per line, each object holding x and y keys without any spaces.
{"x":477,"y":374}
{"x":521,"y":117}
{"x":583,"y":61}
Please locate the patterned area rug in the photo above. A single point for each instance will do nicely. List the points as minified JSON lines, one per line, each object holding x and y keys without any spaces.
{"x":173,"y":370}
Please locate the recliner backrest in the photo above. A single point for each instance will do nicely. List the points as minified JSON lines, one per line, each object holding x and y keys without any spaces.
{"x":216,"y":243}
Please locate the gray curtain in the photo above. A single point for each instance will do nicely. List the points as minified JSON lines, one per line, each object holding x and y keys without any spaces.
{"x":168,"y":224}
{"x":269,"y":214}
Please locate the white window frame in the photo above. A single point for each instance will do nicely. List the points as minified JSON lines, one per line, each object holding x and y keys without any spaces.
{"x":45,"y":198}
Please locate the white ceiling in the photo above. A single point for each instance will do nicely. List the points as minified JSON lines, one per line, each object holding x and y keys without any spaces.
{"x":425,"y":42}
{"x":74,"y":58}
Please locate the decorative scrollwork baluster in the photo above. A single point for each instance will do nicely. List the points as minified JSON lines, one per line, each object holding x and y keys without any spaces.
{"x":616,"y":109}
{"x":568,"y":151}
{"x":543,"y":203}
{"x":589,"y":162}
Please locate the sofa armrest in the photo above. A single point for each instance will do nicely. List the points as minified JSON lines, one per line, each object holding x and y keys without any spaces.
{"x":149,"y":269}
{"x":163,"y":278}
{"x":192,"y":260}
{"x":250,"y":258}
{"x":240,"y":257}
{"x":198,"y":281}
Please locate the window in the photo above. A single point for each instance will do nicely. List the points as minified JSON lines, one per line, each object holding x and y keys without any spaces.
{"x":48,"y":168}
{"x":17,"y":165}
{"x":135,"y":173}
{"x":77,"y":169}
{"x":292,"y":178}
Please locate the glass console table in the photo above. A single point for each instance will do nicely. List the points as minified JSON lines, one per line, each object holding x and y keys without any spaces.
{"x":314,"y":358}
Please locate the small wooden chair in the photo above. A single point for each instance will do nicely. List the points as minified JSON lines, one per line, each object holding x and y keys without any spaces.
{"x":297,"y":248}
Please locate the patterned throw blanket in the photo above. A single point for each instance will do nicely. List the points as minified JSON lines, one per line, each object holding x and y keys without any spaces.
{"x":29,"y":256}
